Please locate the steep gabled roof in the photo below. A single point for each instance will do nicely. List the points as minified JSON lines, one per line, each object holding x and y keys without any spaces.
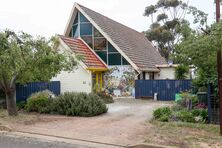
{"x":133,"y":45}
{"x":90,"y":59}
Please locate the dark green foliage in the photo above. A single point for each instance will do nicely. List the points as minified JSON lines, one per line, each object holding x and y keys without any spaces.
{"x":181,"y":72}
{"x":79,"y":104}
{"x":39,"y":102}
{"x":200,"y":113}
{"x":200,"y":50}
{"x":70,"y":104}
{"x":185,"y":116}
{"x":21,"y":105}
{"x":162,"y":114}
{"x":105,"y":97}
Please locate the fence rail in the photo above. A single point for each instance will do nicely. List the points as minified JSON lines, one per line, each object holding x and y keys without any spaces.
{"x":24,"y":91}
{"x":166,"y":89}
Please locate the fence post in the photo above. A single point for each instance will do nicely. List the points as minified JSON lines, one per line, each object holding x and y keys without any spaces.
{"x":209,"y":102}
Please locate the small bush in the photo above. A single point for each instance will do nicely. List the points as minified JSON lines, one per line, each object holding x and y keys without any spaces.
{"x":79,"y":104}
{"x":162,"y":114}
{"x":185,"y":116}
{"x":200,"y":114}
{"x":105,"y":97}
{"x":39,"y":102}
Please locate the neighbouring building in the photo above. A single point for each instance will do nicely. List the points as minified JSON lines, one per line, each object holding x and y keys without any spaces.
{"x":114,"y":55}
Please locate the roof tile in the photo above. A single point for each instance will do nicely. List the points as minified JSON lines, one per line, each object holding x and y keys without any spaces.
{"x":80,"y":48}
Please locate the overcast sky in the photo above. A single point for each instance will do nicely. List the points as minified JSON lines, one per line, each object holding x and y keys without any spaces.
{"x":49,"y":17}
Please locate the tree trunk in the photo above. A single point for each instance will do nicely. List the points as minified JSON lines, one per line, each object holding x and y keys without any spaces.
{"x":11,"y":102}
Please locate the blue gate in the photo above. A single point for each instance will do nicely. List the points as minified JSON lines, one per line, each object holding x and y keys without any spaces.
{"x":166,"y":89}
{"x":24,"y":91}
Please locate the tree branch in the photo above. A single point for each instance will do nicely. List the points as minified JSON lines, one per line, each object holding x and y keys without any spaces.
{"x":13,"y":80}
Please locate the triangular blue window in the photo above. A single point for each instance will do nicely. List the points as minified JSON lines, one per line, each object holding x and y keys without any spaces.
{"x":96,"y":41}
{"x":83,"y":18}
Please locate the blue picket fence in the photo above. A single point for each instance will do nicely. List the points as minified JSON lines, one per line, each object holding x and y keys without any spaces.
{"x":24,"y":91}
{"x":166,"y":89}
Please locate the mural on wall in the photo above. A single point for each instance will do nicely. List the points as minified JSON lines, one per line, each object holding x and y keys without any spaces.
{"x":119,"y":79}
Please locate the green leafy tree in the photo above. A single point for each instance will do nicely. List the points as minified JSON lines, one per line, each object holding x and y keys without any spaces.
{"x":168,"y":27}
{"x":199,"y":49}
{"x":24,"y":58}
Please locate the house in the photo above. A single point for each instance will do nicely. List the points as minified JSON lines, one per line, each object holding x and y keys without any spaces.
{"x":114,"y":55}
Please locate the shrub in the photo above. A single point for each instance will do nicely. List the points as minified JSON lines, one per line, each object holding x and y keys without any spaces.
{"x":181,"y":72}
{"x":185,"y":116}
{"x":105,"y":97}
{"x":78,"y":104}
{"x":39,"y":102}
{"x":200,"y":114}
{"x":186,"y":98}
{"x":162,"y":114}
{"x":21,"y":105}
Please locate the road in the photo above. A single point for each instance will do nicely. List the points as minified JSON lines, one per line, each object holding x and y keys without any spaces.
{"x":9,"y":141}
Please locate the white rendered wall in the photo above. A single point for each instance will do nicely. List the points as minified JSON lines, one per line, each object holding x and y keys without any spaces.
{"x":165,"y":73}
{"x":79,"y":80}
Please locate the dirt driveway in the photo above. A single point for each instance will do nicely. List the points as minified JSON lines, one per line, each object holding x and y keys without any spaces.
{"x":124,"y":124}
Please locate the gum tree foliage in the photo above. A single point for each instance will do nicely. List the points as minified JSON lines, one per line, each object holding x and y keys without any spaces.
{"x":200,"y":50}
{"x":168,"y":22}
{"x":24,"y":58}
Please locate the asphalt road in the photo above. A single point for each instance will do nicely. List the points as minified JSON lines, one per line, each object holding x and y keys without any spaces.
{"x":8,"y":141}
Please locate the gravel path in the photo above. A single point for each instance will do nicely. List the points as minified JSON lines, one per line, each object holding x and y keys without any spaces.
{"x":124,"y":124}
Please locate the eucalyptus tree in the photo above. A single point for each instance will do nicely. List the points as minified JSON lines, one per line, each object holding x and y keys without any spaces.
{"x":24,"y":58}
{"x":168,"y":22}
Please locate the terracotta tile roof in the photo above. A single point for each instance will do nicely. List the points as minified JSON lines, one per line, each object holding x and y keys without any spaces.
{"x":90,"y":59}
{"x":134,"y":44}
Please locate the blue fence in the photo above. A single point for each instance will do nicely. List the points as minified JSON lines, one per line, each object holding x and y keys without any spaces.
{"x":24,"y":91}
{"x":166,"y":89}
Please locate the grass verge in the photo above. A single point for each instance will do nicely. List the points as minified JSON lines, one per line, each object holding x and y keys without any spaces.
{"x":182,"y":134}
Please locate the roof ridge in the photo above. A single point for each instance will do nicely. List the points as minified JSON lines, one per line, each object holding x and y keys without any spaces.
{"x":111,"y":19}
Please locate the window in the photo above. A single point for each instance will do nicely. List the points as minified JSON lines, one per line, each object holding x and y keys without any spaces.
{"x":114,"y":59}
{"x":111,"y":48}
{"x":102,"y":55}
{"x":83,"y":18}
{"x":86,"y":29}
{"x":97,"y":33}
{"x":124,"y":61}
{"x":76,"y":19}
{"x":75,"y":31}
{"x":88,"y":40}
{"x":99,"y":44}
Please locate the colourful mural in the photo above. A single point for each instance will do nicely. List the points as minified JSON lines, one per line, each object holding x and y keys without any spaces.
{"x":119,"y":80}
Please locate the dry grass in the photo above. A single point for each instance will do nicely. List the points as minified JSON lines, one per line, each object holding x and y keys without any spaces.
{"x":23,"y":118}
{"x":184,"y":135}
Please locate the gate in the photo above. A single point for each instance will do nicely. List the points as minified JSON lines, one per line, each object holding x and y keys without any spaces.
{"x":24,"y":91}
{"x":166,"y":89}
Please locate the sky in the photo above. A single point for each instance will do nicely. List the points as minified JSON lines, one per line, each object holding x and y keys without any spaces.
{"x":49,"y":17}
